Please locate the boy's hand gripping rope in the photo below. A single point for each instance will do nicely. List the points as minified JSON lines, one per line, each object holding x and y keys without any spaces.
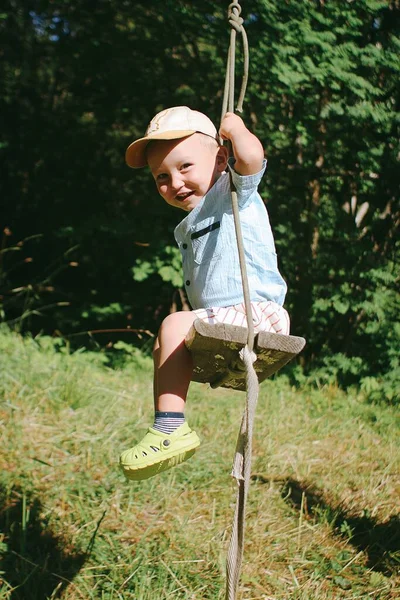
{"x":241,"y":470}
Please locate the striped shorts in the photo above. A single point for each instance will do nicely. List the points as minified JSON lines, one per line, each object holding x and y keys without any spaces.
{"x":267,"y":316}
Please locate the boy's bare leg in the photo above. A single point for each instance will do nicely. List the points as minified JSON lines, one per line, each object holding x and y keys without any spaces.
{"x":170,"y":440}
{"x":173,"y":363}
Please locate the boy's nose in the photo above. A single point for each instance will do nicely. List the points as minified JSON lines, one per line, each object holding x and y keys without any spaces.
{"x":176,"y":183}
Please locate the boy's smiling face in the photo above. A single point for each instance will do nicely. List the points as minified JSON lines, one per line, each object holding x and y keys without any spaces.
{"x":185,"y":169}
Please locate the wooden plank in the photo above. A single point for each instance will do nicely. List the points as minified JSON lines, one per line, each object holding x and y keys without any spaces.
{"x":215,"y":350}
{"x":274,"y":351}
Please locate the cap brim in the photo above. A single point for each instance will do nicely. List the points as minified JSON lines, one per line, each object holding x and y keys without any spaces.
{"x":135,"y":155}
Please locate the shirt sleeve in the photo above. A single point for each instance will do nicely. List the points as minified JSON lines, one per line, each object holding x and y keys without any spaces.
{"x":245,"y":185}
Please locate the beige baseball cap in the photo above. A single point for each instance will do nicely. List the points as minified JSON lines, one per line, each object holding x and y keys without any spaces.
{"x":170,"y":124}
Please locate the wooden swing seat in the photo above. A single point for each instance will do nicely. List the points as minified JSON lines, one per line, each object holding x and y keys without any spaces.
{"x":215,"y":351}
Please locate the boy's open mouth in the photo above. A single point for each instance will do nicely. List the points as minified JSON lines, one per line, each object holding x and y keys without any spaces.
{"x":183,"y":197}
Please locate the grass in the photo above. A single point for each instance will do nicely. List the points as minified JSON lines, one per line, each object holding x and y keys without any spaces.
{"x":322,"y":518}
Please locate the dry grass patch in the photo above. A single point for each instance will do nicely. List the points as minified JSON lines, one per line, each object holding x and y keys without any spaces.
{"x":322,"y":518}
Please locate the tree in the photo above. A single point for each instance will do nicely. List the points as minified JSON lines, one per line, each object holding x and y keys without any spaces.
{"x":82,"y":79}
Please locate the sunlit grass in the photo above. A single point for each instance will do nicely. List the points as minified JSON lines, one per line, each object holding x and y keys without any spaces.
{"x":322,"y":513}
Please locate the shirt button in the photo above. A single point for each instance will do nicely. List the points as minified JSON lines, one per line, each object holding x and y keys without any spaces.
{"x":184,"y":246}
{"x":187,"y":282}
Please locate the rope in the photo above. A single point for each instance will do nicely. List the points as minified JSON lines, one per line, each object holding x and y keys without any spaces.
{"x":236,"y":23}
{"x":241,"y":469}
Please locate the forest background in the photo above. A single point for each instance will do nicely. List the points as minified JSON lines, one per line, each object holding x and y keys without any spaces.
{"x":88,"y":245}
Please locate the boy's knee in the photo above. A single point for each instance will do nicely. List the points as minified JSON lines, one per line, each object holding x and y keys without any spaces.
{"x":156,"y":347}
{"x":177,"y":324}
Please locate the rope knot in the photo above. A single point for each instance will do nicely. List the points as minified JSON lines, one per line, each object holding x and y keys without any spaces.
{"x":234,"y":18}
{"x":247,"y":355}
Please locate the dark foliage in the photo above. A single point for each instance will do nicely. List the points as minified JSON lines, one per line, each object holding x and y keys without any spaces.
{"x":87,"y":244}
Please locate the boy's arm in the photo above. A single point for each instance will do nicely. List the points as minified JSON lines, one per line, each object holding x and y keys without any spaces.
{"x":247,"y":148}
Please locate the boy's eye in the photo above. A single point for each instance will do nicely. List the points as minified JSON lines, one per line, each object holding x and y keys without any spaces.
{"x":162,"y":177}
{"x":186,"y":165}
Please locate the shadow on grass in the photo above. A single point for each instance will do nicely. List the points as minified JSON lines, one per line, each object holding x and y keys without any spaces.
{"x":380,"y":542}
{"x":35,"y":565}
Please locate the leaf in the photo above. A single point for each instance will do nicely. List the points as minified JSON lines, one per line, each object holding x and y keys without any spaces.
{"x":341,"y":306}
{"x":342,"y":582}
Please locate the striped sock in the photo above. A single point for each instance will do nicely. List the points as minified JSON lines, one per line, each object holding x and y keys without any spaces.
{"x":168,"y":422}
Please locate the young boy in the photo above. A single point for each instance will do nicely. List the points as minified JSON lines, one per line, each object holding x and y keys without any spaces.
{"x":189,"y":165}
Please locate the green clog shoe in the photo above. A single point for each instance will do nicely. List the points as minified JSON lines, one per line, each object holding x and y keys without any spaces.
{"x":158,"y":452}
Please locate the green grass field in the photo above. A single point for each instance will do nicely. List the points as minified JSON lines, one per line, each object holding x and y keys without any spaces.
{"x":322,"y":518}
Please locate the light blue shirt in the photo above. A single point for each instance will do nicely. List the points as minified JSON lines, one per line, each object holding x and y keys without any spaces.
{"x":207,"y":240}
